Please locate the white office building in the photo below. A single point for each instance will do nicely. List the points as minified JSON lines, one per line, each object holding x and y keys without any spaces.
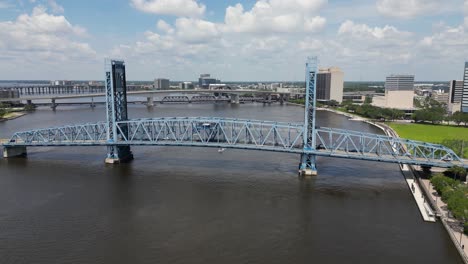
{"x":464,"y":100}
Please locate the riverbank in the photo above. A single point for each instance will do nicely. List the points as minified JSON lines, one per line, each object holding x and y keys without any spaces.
{"x":451,"y":225}
{"x":12,"y":115}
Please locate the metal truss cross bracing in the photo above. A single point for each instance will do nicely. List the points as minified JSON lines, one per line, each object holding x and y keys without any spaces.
{"x":116,"y":106}
{"x":243,"y":134}
{"x":307,"y":160}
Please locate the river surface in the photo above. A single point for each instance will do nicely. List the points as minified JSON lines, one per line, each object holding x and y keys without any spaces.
{"x":195,"y":205}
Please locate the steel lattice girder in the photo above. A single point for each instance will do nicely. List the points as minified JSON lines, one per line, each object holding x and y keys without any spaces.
{"x":243,"y":134}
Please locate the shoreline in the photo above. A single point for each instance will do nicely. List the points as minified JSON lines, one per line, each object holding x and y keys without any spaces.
{"x":12,"y":116}
{"x":421,"y":184}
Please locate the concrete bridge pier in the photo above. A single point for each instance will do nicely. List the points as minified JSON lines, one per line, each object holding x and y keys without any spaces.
{"x":10,"y":152}
{"x":53,"y":104}
{"x":307,"y":167}
{"x":235,"y":99}
{"x":120,"y":154}
{"x":150,"y":101}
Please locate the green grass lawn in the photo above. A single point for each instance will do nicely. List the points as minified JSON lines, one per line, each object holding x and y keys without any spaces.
{"x":432,"y":133}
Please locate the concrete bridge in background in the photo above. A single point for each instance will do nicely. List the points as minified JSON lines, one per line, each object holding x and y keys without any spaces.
{"x":180,"y":96}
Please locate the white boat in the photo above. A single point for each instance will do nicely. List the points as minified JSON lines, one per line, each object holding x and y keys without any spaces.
{"x":221,"y":150}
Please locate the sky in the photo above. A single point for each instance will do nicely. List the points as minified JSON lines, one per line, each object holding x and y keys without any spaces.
{"x":233,"y":40}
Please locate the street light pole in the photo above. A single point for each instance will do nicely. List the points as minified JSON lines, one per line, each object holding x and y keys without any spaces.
{"x":462,"y":223}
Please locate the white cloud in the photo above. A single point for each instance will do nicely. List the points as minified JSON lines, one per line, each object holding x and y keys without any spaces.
{"x":408,"y":8}
{"x":362,"y":42}
{"x":56,"y":8}
{"x":42,"y":35}
{"x":283,"y":16}
{"x":195,"y":30}
{"x":387,"y":33}
{"x":314,"y":24}
{"x":164,"y":26}
{"x":189,"y":8}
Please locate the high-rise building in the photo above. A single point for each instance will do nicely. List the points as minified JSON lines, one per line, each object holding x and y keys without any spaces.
{"x":205,"y":80}
{"x":330,"y":84}
{"x":456,"y":91}
{"x":161,"y":84}
{"x":186,"y":86}
{"x":464,"y":100}
{"x":399,"y":83}
{"x":399,"y":91}
{"x":455,"y":96}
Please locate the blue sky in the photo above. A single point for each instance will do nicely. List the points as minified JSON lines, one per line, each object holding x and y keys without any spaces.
{"x":233,"y":39}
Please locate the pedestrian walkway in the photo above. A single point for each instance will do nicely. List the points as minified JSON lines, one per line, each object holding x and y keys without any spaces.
{"x":455,"y":227}
{"x":426,"y":211}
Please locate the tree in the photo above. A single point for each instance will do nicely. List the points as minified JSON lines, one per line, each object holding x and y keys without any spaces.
{"x":432,"y":111}
{"x":397,"y":114}
{"x":333,"y":103}
{"x":368,"y":100}
{"x":457,"y":117}
{"x":456,"y":172}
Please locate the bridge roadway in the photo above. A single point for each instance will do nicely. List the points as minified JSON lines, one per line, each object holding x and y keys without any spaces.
{"x":148,"y":93}
{"x":239,"y":134}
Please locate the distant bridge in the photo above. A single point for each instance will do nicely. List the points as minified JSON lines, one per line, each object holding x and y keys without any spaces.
{"x":171,"y":96}
{"x":144,"y":93}
{"x":118,"y":134}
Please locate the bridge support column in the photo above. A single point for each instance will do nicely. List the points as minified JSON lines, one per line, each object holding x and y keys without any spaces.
{"x":150,"y":101}
{"x":53,"y":104}
{"x":10,"y":152}
{"x":307,"y":166}
{"x":235,"y":99}
{"x":120,"y":154}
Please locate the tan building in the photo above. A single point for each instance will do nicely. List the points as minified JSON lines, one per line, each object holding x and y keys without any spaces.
{"x":441,"y":97}
{"x":330,"y":84}
{"x":399,"y":93}
{"x":399,"y":99}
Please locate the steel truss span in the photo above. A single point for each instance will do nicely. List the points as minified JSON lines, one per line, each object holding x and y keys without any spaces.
{"x":242,"y":134}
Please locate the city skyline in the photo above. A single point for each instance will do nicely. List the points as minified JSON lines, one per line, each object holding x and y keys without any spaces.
{"x":233,"y":40}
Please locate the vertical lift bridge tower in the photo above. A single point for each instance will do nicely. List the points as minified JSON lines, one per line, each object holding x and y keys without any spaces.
{"x":307,"y":166}
{"x":116,"y":110}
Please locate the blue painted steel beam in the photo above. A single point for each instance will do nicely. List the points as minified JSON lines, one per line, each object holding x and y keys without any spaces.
{"x":242,"y":134}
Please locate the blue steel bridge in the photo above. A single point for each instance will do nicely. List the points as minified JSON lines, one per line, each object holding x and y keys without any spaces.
{"x":118,"y":134}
